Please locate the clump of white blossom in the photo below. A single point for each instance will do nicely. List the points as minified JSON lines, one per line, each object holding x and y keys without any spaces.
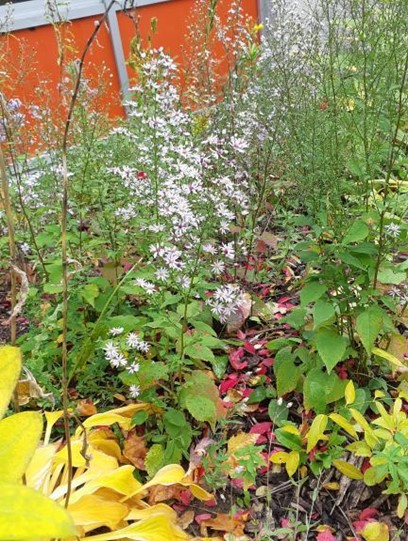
{"x":124,"y":351}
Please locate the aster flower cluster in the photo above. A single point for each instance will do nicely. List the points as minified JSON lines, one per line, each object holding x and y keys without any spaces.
{"x":183,"y":191}
{"x":226,"y":302}
{"x":123,"y":352}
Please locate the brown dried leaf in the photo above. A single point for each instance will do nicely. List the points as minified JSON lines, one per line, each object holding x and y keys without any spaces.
{"x":135,"y":449}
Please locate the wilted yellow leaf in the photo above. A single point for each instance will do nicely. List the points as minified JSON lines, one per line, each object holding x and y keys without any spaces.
{"x":344,"y":424}
{"x":292,"y":463}
{"x":10,"y":367}
{"x":350,"y":393}
{"x":279,"y":458}
{"x":241,"y":440}
{"x":388,"y":357}
{"x":375,"y":531}
{"x":19,"y":436}
{"x":347,"y":469}
{"x":331,"y":486}
{"x":316,"y":431}
{"x":24,"y":514}
{"x":291,"y":429}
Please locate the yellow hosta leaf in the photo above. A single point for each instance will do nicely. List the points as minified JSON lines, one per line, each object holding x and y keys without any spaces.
{"x":25,"y":514}
{"x":375,"y":531}
{"x":197,"y":491}
{"x":316,"y":431}
{"x":106,"y":419}
{"x":388,"y":357}
{"x":19,"y":436}
{"x":344,"y":424}
{"x":122,"y":416}
{"x":91,"y":512}
{"x":279,"y":458}
{"x":174,"y":474}
{"x":156,"y":528}
{"x":99,"y":460}
{"x":347,"y":469}
{"x":52,"y":417}
{"x":155,"y":510}
{"x":350,"y":393}
{"x":40,"y":466}
{"x":120,"y":480}
{"x":10,"y":366}
{"x":292,"y":463}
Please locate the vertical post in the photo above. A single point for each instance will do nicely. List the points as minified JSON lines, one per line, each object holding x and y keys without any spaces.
{"x":119,"y":55}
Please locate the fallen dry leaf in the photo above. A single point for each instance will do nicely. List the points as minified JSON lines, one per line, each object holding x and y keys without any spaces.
{"x":135,"y":449}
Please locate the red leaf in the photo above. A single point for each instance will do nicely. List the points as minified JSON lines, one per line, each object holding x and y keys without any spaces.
{"x":235,"y":357}
{"x":325,"y":535}
{"x":368,"y":513}
{"x":204,"y":516}
{"x":249,"y":348}
{"x":261,"y":428}
{"x":228,"y":383}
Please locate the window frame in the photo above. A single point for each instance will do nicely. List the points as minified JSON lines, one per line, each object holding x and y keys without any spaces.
{"x":30,"y":14}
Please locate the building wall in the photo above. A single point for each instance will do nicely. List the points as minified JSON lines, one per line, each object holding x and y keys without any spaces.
{"x":30,"y":54}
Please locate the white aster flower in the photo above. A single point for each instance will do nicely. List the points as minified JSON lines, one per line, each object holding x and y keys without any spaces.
{"x":133,"y":367}
{"x":116,"y":331}
{"x":393,"y":230}
{"x":133,"y":340}
{"x":134,"y":391}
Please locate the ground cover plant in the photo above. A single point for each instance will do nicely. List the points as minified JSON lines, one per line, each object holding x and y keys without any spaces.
{"x":212,"y":308}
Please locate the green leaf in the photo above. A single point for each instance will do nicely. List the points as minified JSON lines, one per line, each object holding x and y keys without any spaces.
{"x":357,"y":232}
{"x":323,"y":313}
{"x":89,"y":293}
{"x":313,"y":390}
{"x":154,"y":459}
{"x":278,"y":413}
{"x":296,"y":318}
{"x":287,"y":376}
{"x":368,"y":326}
{"x":19,"y":436}
{"x":10,"y":366}
{"x":330,"y":346}
{"x":199,"y":352}
{"x":140,"y":418}
{"x":25,"y":514}
{"x":202,"y":409}
{"x":387,"y":275}
{"x":312,"y":292}
{"x":174,"y":417}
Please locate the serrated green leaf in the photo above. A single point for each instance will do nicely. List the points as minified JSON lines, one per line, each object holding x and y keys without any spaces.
{"x":323,"y":313}
{"x":202,"y":409}
{"x":312,"y":292}
{"x":368,"y":326}
{"x":287,"y":377}
{"x":357,"y":232}
{"x":154,"y":459}
{"x":330,"y":346}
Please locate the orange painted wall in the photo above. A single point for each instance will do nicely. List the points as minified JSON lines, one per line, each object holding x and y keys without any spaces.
{"x":35,"y":51}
